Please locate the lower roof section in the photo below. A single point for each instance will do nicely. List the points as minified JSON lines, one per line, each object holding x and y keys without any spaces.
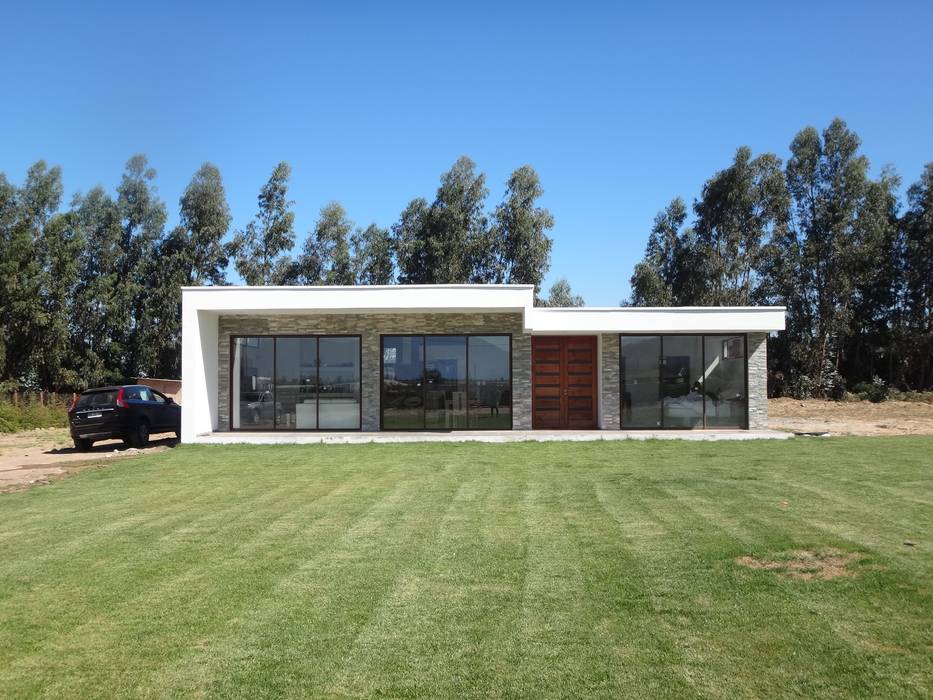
{"x":480,"y":298}
{"x":675,"y":319}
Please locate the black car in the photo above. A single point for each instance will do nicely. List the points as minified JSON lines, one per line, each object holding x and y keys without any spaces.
{"x":129,"y":413}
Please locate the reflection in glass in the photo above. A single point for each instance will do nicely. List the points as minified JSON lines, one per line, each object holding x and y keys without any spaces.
{"x":339,"y":383}
{"x":445,"y":402}
{"x":253,"y":398}
{"x":724,"y":382}
{"x":490,"y":386}
{"x":402,"y":378}
{"x":296,"y":383}
{"x":641,"y":402}
{"x":682,"y":381}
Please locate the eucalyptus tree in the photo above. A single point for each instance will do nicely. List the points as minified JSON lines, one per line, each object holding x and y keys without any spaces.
{"x":260,"y":250}
{"x":561,"y":295}
{"x":519,"y":230}
{"x":917,"y":225}
{"x":325,"y":258}
{"x":373,"y":261}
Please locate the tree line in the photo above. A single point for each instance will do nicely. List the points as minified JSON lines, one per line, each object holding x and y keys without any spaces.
{"x":90,"y":293}
{"x":817,"y":234}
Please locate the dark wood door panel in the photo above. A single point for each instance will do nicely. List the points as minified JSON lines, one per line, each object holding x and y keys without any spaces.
{"x":563,"y":382}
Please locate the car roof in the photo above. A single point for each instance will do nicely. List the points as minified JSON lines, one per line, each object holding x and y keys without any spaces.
{"x":115,"y":387}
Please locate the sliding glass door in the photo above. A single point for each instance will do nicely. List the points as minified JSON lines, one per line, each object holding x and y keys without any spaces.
{"x":295,"y":383}
{"x":641,"y":394}
{"x":726,"y":401}
{"x":446,"y":382}
{"x":683,"y":381}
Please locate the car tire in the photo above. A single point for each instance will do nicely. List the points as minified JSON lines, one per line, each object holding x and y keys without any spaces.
{"x":140,"y":435}
{"x":83,"y":444}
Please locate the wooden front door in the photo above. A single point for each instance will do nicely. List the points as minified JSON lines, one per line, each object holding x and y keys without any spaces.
{"x":563,"y":380}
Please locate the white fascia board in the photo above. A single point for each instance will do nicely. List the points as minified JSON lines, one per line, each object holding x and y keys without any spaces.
{"x":361,"y":299}
{"x":655,"y":320}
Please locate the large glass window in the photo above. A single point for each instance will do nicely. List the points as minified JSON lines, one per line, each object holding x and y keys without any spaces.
{"x":339,"y":383}
{"x":439,"y":382}
{"x":402,"y":382}
{"x":254,"y":383}
{"x":641,"y":393}
{"x":683,"y":381}
{"x":725,"y":381}
{"x":445,"y":376}
{"x":490,"y":382}
{"x":295,"y":383}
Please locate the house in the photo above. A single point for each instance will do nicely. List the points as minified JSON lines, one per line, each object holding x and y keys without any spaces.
{"x":463,"y":357}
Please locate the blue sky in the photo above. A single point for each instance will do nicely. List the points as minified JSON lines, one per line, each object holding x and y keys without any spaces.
{"x":619,"y":107}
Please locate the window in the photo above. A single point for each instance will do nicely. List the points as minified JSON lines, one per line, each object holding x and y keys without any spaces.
{"x":683,"y":381}
{"x":446,"y":382}
{"x":295,"y":383}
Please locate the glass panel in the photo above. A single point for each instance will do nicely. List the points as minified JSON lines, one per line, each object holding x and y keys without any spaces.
{"x":339,"y":376}
{"x":682,"y":381}
{"x":402,"y":378}
{"x":296,"y":383}
{"x":641,"y":402}
{"x":253,"y":392}
{"x":445,"y":396}
{"x":724,"y":381}
{"x":490,"y":382}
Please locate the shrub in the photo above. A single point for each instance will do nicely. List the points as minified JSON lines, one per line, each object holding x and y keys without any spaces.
{"x":28,"y":415}
{"x":875,"y":391}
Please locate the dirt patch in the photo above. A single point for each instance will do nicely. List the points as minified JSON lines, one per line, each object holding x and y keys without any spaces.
{"x":36,"y":457}
{"x":805,"y":564}
{"x":851,"y":417}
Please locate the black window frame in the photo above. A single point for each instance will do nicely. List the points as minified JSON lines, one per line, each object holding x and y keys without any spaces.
{"x":317,"y":409}
{"x":424,"y":387}
{"x":702,"y":337}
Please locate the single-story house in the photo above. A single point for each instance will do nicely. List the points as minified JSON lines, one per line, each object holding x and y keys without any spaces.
{"x":465,"y":357}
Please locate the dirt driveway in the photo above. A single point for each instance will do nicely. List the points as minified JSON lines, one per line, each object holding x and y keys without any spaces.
{"x":851,"y":418}
{"x":41,"y":456}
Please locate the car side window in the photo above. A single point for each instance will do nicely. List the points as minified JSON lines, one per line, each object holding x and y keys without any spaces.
{"x":132,"y":394}
{"x":145,"y":394}
{"x":157,"y":397}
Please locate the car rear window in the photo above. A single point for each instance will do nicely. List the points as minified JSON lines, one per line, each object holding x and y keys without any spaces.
{"x":97,"y":399}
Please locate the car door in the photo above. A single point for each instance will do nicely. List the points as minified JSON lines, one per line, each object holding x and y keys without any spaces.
{"x":166,"y":411}
{"x":150,"y":409}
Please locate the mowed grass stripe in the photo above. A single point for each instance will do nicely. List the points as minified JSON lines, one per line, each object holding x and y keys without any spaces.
{"x":497,"y":570}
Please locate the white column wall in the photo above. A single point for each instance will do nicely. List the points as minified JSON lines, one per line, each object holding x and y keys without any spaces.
{"x":198,"y":372}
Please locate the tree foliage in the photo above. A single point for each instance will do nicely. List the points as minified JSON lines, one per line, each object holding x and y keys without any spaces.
{"x":819,"y":236}
{"x":561,"y":295}
{"x":260,"y":251}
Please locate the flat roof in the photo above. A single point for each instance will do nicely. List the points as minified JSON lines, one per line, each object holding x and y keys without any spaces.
{"x":480,"y":298}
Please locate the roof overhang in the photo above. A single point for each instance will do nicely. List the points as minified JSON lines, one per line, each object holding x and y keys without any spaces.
{"x":481,"y":298}
{"x":414,"y":298}
{"x":675,"y":319}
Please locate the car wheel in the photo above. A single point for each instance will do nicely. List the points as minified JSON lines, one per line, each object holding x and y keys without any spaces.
{"x":83,"y":444}
{"x":140,"y":436}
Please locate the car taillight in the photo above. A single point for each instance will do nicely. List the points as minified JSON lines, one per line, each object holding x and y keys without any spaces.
{"x":74,"y":402}
{"x":120,"y":402}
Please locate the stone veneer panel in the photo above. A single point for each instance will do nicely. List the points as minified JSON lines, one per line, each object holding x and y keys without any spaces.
{"x":610,"y":417}
{"x":757,"y":381}
{"x":370,"y":327}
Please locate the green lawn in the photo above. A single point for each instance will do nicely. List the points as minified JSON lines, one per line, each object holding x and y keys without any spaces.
{"x":590,"y":569}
